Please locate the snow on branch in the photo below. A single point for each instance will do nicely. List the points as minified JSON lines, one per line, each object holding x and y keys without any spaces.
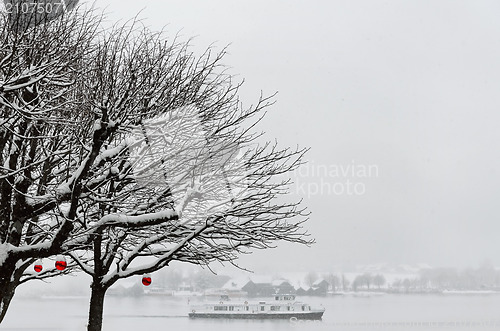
{"x":126,"y":221}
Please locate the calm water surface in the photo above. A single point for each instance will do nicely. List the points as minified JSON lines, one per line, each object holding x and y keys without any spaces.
{"x":384,"y":312}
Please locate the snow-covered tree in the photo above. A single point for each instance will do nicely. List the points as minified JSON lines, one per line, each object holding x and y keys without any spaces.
{"x":44,"y":156}
{"x":186,"y":149}
{"x":125,"y":151}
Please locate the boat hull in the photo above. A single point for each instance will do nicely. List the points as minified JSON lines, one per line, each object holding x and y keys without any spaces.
{"x":299,"y":316}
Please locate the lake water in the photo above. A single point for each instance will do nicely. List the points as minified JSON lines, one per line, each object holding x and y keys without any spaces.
{"x":347,"y":313}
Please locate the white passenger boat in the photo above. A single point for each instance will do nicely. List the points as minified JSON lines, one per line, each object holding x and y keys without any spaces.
{"x":284,"y":306}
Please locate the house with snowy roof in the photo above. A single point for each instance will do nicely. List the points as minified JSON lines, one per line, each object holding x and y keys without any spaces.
{"x":268,"y":288}
{"x":319,"y":288}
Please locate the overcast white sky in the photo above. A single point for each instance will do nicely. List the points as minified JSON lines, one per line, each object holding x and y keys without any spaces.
{"x":408,"y":87}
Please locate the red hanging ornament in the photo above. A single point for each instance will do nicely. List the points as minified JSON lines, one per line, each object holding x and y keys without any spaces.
{"x":38,"y":266}
{"x":146,"y":280}
{"x":61,"y":263}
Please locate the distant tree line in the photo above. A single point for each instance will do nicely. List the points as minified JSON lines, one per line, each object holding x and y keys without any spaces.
{"x":368,"y":281}
{"x":483,"y":278}
{"x":429,"y":280}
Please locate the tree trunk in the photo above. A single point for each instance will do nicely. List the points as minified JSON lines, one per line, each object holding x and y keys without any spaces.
{"x":96,"y":306}
{"x":98,"y":288}
{"x":8,"y":284}
{"x":5,"y":300}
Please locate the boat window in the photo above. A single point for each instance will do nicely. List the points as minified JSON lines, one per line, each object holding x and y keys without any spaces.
{"x":288,"y":307}
{"x":262,"y":308}
{"x":275,"y":308}
{"x":303,"y":307}
{"x":219,"y":308}
{"x":277,"y":298}
{"x":231,"y":308}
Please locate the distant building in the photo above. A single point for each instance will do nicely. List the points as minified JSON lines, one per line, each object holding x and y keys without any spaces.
{"x":232,"y":288}
{"x":319,"y":288}
{"x":303,"y":291}
{"x":259,"y":289}
{"x":283,"y":287}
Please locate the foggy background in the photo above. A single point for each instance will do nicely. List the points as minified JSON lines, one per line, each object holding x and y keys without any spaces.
{"x":407,"y":89}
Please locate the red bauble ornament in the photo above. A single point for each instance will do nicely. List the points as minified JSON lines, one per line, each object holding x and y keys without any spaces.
{"x":61,"y":264}
{"x":146,"y":280}
{"x":38,"y":267}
